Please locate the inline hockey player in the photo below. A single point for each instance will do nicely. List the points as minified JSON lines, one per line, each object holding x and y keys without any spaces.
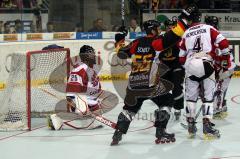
{"x":176,"y":73}
{"x":145,"y":55}
{"x":83,"y":87}
{"x":223,"y":76}
{"x":196,"y":46}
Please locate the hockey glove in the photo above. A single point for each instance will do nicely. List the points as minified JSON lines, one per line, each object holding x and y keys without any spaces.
{"x":225,"y":62}
{"x":121,"y":36}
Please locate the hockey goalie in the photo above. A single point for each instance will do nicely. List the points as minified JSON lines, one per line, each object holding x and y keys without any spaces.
{"x":82,"y":91}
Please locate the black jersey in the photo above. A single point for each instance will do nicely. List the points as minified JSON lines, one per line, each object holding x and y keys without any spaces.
{"x":144,"y":67}
{"x":170,"y":57}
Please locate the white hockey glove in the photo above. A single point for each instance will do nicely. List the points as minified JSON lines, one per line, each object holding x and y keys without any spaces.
{"x":223,"y":74}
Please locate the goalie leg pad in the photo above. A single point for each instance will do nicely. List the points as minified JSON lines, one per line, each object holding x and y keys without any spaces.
{"x":54,"y":122}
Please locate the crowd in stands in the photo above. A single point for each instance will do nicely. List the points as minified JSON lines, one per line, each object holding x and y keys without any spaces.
{"x":176,"y":4}
{"x":98,"y":25}
{"x":17,"y":26}
{"x":18,"y":4}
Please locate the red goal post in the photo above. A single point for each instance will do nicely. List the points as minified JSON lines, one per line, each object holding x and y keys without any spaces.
{"x":22,"y":98}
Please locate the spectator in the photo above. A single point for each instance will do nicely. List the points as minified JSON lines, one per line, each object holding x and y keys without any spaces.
{"x":32,"y":28}
{"x":8,"y":4}
{"x":1,"y":27}
{"x":7,"y":28}
{"x":134,"y":26}
{"x":18,"y":26}
{"x":50,"y":27}
{"x":98,"y":26}
{"x":37,"y":21}
{"x":182,"y":4}
{"x":172,"y":4}
{"x":78,"y":28}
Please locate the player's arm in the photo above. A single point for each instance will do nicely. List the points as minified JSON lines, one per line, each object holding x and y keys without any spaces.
{"x":174,"y":35}
{"x":127,"y":51}
{"x":223,"y":47}
{"x":170,"y":38}
{"x":182,"y":52}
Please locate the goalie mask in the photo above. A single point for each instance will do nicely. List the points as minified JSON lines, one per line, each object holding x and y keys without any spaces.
{"x":87,"y":55}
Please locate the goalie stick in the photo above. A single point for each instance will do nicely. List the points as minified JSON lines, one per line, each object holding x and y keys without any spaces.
{"x":95,"y":116}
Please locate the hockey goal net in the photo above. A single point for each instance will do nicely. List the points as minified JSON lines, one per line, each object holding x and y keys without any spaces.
{"x":30,"y":74}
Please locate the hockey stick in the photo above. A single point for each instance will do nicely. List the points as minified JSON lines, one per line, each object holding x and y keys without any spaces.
{"x":95,"y":116}
{"x":196,"y":117}
{"x":123,"y":12}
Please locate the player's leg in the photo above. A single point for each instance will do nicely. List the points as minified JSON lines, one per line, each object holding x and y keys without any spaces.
{"x":178,"y":96}
{"x":125,"y":118}
{"x":162,"y":116}
{"x":208,"y":130}
{"x":225,"y":85}
{"x":191,"y":96}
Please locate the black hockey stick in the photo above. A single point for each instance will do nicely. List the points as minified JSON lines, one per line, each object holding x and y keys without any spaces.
{"x":123,"y":12}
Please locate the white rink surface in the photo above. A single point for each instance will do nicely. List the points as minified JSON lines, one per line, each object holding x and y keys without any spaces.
{"x":90,"y":144}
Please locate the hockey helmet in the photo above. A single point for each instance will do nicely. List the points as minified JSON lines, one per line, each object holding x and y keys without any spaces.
{"x":87,"y":54}
{"x":192,"y":13}
{"x":52,"y":46}
{"x":150,"y":25}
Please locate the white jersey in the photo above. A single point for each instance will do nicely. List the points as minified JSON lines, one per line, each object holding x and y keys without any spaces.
{"x":197,"y":44}
{"x":202,"y":38}
{"x":84,"y":79}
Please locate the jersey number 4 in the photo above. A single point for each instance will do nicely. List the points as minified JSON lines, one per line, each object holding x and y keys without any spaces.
{"x":197,"y":44}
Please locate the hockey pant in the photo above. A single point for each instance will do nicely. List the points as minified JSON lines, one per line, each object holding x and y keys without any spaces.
{"x":192,"y":91}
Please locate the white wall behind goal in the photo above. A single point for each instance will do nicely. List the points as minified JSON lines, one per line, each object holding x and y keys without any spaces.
{"x":104,"y":49}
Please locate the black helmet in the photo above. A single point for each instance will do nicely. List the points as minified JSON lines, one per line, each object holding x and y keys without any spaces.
{"x":170,"y":23}
{"x":150,"y":25}
{"x":192,"y":13}
{"x":52,"y":46}
{"x":212,"y":20}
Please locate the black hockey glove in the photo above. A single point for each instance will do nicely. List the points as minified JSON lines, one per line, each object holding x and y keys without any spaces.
{"x":120,"y":36}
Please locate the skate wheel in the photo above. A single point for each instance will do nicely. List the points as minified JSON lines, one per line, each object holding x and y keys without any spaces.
{"x":167,"y":141}
{"x":157,"y":141}
{"x":114,"y":143}
{"x":173,"y":140}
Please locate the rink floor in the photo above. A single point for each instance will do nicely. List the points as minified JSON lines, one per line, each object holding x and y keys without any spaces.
{"x":41,"y":143}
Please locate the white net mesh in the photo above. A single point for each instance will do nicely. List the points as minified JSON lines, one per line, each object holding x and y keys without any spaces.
{"x":48,"y":72}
